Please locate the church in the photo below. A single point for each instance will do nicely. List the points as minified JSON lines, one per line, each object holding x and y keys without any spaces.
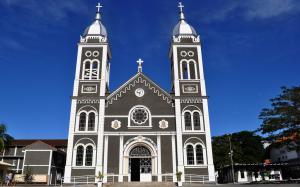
{"x":139,"y":132}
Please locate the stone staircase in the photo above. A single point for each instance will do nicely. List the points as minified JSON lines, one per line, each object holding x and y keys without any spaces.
{"x":140,"y":184}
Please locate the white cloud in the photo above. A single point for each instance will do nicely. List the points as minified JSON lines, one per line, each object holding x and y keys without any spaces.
{"x":253,"y":9}
{"x":264,"y":9}
{"x":48,"y":9}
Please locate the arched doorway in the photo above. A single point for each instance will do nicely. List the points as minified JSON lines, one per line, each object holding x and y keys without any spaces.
{"x":140,"y":163}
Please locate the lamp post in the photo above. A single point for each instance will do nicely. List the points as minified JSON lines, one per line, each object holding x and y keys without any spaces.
{"x":231,"y":159}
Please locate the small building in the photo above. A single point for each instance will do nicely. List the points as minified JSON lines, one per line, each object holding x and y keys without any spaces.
{"x":43,"y":159}
{"x":246,"y":173}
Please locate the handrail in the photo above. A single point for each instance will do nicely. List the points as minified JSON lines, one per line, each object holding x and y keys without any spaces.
{"x":193,"y":178}
{"x":84,"y":179}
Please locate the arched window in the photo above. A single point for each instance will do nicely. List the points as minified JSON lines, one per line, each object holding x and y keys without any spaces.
{"x":196,"y":120}
{"x":87,"y":70}
{"x":79,"y":155}
{"x":187,"y":121}
{"x":184,"y":70}
{"x":91,"y":122}
{"x":95,"y":70}
{"x":190,"y":155}
{"x":89,"y":156}
{"x":199,"y":154}
{"x":192,"y":70}
{"x":82,"y":121}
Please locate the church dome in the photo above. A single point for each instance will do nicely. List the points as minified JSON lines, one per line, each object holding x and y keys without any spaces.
{"x":183,"y":28}
{"x":96,"y":28}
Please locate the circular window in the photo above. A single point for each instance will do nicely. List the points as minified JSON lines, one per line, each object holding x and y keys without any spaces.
{"x":88,"y":53}
{"x":139,"y":115}
{"x":191,"y":53}
{"x":95,"y":53}
{"x":183,"y":53}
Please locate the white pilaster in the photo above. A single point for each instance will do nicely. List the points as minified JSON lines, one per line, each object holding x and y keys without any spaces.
{"x":105,"y":158}
{"x":68,"y":166}
{"x":159,"y":178}
{"x":120,"y":178}
{"x":210,"y":163}
{"x":180,"y":165}
{"x":174,"y":158}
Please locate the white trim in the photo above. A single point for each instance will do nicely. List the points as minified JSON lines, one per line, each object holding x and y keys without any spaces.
{"x":49,"y":167}
{"x":105,"y":158}
{"x":35,"y":165}
{"x":153,"y":116}
{"x":69,"y":159}
{"x":120,"y":177}
{"x":18,"y":164}
{"x":15,"y":153}
{"x":39,"y":150}
{"x":24,"y":162}
{"x":139,"y":133}
{"x":174,"y":158}
{"x":159,"y":178}
{"x":180,"y":163}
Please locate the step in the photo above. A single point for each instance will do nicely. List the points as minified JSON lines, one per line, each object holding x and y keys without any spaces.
{"x":140,"y":184}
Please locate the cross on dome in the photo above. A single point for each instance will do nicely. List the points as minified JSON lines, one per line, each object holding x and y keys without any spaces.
{"x":98,"y":7}
{"x":140,"y":61}
{"x":180,"y":6}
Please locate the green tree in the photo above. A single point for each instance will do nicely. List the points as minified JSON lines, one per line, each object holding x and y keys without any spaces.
{"x":5,"y":139}
{"x":247,"y":147}
{"x":282,"y":120}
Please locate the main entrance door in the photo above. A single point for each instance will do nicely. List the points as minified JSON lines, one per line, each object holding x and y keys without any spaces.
{"x":140,"y":164}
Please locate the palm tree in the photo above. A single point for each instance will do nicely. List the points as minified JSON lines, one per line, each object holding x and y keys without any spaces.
{"x":5,"y":139}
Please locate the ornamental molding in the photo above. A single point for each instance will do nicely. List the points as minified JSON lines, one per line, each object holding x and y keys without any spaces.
{"x":163,"y":124}
{"x":140,"y":139}
{"x":100,"y":39}
{"x":116,"y":124}
{"x":178,"y":38}
{"x":88,"y":101}
{"x":191,"y":100}
{"x":130,"y":86}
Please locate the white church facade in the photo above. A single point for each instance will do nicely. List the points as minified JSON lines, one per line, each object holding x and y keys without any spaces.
{"x":139,"y":132}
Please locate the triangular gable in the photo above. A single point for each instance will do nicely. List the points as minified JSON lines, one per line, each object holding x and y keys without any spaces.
{"x":39,"y":145}
{"x":139,"y":78}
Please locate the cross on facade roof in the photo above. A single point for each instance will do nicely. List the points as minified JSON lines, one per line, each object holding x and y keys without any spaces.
{"x":140,"y":61}
{"x":98,"y":7}
{"x":180,"y":6}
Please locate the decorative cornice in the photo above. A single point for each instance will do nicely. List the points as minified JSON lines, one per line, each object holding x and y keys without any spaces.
{"x":129,"y":86}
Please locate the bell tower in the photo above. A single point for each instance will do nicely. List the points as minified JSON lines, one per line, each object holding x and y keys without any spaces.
{"x":88,"y":101}
{"x":188,"y":86}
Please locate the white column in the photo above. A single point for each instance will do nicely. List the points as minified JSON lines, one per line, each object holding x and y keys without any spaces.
{"x":159,"y":178}
{"x":180,"y":165}
{"x":68,"y":166}
{"x":174,"y":158}
{"x":120,"y":178}
{"x":105,"y":158}
{"x":99,"y":161}
{"x":210,"y":163}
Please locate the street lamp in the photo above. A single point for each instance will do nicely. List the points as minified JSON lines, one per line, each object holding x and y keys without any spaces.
{"x":231,"y":159}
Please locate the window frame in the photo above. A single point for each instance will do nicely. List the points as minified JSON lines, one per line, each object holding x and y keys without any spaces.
{"x":194,"y":145}
{"x":188,"y":62}
{"x":201,"y":118}
{"x":84,"y":155}
{"x":147,"y":124}
{"x":91,"y":69}
{"x":87,"y":113}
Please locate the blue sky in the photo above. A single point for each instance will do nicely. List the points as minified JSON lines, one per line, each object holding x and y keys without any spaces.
{"x":250,"y":49}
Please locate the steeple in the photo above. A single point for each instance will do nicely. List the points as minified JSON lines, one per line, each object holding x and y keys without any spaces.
{"x":183,"y":28}
{"x":96,"y":30}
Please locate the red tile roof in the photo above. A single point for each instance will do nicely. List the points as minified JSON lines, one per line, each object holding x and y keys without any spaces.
{"x":52,"y":142}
